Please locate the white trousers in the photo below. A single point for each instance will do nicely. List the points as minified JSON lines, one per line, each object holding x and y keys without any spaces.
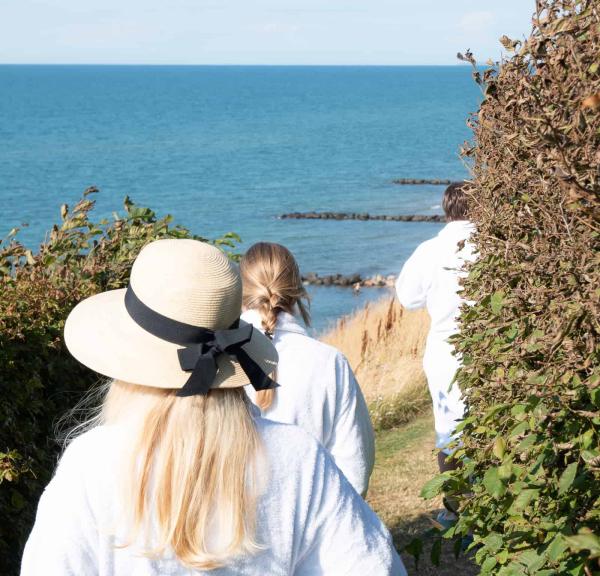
{"x":440,"y":367}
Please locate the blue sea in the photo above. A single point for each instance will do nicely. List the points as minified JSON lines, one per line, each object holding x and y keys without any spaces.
{"x":231,"y":148}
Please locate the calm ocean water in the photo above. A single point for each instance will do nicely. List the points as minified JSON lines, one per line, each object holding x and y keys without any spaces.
{"x":230,"y":148}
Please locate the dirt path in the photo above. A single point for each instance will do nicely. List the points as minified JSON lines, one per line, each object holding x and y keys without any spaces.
{"x":405,"y":461}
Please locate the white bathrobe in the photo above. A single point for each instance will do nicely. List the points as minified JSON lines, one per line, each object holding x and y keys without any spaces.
{"x":318,"y":392}
{"x":309,"y":519}
{"x":430,"y":277}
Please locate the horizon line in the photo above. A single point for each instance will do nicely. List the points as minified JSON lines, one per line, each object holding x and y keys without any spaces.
{"x":155,"y":64}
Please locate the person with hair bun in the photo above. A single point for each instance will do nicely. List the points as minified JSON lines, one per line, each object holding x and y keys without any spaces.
{"x":177,"y":474}
{"x":318,"y":390}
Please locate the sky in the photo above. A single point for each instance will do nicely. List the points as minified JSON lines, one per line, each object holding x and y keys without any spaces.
{"x":384,"y":32}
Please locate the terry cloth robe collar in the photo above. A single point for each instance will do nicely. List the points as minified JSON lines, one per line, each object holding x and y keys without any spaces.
{"x":285,"y":322}
{"x":457,"y":228}
{"x":288,"y":323}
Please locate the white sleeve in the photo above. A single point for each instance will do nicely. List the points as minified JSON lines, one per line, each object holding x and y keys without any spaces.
{"x":62,"y":540}
{"x":414,"y":279}
{"x":352,"y":442}
{"x":343,"y":536}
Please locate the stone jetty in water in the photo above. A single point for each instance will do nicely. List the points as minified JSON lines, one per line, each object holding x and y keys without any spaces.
{"x":414,"y":181}
{"x":355,"y":281}
{"x":362,"y":216}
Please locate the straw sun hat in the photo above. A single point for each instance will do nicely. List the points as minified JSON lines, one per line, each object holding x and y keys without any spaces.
{"x":176,"y":325}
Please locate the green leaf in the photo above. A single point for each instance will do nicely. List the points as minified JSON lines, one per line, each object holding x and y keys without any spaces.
{"x":527,"y":442}
{"x":502,"y":556}
{"x":493,"y":542}
{"x":433,"y":487}
{"x":512,"y":569}
{"x":512,"y":333}
{"x":523,"y":499}
{"x":595,"y":396}
{"x":587,"y":439}
{"x":520,"y":428}
{"x":488,"y":564}
{"x":518,"y":409}
{"x":492,"y":482}
{"x":532,"y":560}
{"x":588,"y":455}
{"x":493,"y":410}
{"x":497,"y":301}
{"x":505,"y":470}
{"x":557,"y":548}
{"x":585,"y":541}
{"x":499,"y":447}
{"x":567,"y":477}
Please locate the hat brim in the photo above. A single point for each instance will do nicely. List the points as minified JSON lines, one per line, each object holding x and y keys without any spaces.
{"x":100,"y":334}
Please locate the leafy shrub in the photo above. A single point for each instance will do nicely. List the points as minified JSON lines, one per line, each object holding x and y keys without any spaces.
{"x":529,"y":486}
{"x":39,"y":381}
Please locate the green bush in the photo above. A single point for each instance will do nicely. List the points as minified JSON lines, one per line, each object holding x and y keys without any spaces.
{"x":39,"y":381}
{"x":529,"y":486}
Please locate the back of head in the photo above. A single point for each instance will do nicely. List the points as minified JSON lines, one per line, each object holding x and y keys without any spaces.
{"x":189,"y":440}
{"x":271,"y":284}
{"x":455,"y":202}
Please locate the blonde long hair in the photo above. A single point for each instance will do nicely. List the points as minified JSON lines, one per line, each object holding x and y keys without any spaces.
{"x":272,"y":284}
{"x":190,"y":465}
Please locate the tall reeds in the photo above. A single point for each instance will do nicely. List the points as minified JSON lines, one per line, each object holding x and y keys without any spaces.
{"x":384,"y":344}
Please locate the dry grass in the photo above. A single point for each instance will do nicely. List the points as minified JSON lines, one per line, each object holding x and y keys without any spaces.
{"x":384,"y":344}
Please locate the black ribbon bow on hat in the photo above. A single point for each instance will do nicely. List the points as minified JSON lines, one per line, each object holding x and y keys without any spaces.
{"x":202,"y":347}
{"x":201,"y":360}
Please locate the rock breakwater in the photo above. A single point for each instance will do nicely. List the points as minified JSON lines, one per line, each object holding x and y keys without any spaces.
{"x":362,"y":216}
{"x":355,"y":281}
{"x":413,"y":181}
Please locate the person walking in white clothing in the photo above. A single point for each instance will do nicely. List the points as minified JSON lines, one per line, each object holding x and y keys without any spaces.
{"x":430,"y":278}
{"x":318,"y":389}
{"x":178,"y":475}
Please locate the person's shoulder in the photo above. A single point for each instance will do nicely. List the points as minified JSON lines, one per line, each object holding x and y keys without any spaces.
{"x":425,"y":248}
{"x":431,"y":241}
{"x":430,"y":244}
{"x":315,"y":348}
{"x":90,"y":448}
{"x":94,"y":437}
{"x":342,"y":364}
{"x":326,"y":354}
{"x":326,"y":349}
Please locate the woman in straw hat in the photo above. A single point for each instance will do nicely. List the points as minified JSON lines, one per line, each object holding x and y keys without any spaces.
{"x":178,"y":476}
{"x":318,"y":389}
